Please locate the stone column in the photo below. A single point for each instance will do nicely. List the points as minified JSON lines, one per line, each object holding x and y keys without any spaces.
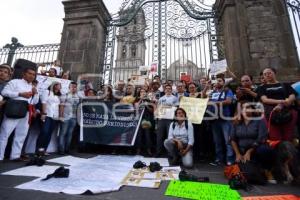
{"x":257,"y":34}
{"x":84,"y":35}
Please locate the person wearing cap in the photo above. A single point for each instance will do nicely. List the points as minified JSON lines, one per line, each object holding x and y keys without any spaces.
{"x":19,"y":90}
{"x":5,"y":74}
{"x":155,"y":94}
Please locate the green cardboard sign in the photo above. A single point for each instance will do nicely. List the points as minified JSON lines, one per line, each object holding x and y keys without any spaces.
{"x":201,"y":191}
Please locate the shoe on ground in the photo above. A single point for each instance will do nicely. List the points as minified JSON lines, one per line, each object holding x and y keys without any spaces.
{"x":154,"y":167}
{"x":270,"y":177}
{"x":174,"y":161}
{"x":139,"y":165}
{"x":216,"y":163}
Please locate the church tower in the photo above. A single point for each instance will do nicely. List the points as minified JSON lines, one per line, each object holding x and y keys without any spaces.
{"x":130,"y":47}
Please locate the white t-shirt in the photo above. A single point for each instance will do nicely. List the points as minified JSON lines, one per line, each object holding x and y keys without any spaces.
{"x":52,"y":103}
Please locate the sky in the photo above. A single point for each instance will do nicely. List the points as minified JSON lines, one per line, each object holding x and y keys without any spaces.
{"x":35,"y":21}
{"x":38,"y":21}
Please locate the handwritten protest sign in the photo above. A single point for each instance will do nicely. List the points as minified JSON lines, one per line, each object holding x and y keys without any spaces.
{"x":45,"y":82}
{"x":194,"y":107}
{"x":275,"y":197}
{"x":165,"y":112}
{"x":138,"y":80}
{"x":218,"y":67}
{"x":203,"y":191}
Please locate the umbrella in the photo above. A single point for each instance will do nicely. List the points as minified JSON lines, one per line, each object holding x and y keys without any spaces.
{"x":296,"y":87}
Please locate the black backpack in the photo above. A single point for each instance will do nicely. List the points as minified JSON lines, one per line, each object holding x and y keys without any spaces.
{"x":185,"y":123}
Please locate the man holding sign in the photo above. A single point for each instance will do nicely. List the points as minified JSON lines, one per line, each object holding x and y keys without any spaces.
{"x":165,"y":115}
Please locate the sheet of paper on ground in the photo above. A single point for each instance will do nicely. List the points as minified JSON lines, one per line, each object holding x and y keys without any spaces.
{"x":68,"y":160}
{"x":33,"y":171}
{"x":102,"y":173}
{"x":198,"y":191}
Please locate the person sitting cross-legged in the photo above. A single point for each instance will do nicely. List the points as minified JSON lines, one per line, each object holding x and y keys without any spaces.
{"x":180,"y":140}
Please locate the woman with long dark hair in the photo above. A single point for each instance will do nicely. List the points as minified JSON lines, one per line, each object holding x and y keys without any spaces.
{"x":180,"y":140}
{"x":50,"y":115}
{"x":249,"y":137}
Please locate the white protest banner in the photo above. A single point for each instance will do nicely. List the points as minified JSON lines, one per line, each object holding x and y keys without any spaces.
{"x":44,"y":82}
{"x":194,"y":107}
{"x":218,"y":67}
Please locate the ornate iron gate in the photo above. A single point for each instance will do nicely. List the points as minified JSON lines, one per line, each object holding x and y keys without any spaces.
{"x":178,"y":36}
{"x":293,"y":7}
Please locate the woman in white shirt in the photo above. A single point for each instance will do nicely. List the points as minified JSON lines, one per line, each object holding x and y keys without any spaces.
{"x":180,"y":140}
{"x":50,"y":115}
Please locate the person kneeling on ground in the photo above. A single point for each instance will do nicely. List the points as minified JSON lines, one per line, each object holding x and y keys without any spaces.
{"x":180,"y":140}
{"x":249,"y":141}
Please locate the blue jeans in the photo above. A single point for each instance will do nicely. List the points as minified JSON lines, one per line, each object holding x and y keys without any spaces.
{"x":44,"y":137}
{"x":221,"y":132}
{"x":65,"y":135}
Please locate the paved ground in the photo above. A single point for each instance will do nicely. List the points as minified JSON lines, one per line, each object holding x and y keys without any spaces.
{"x":8,"y":192}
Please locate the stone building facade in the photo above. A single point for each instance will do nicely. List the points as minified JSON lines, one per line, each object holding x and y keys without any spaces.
{"x":257,"y":34}
{"x":84,"y":35}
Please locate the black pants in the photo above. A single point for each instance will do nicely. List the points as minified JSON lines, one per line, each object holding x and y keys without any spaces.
{"x":144,"y":138}
{"x":44,"y":137}
{"x":203,"y":146}
{"x":162,"y":134}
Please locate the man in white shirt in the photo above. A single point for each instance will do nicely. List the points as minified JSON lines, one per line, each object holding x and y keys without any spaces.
{"x":168,"y":100}
{"x":18,"y":89}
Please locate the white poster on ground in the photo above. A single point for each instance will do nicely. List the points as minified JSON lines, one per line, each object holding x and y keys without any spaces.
{"x":33,"y":171}
{"x":103,"y":173}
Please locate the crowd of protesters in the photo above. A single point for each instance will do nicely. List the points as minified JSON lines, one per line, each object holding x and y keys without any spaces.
{"x":253,"y":122}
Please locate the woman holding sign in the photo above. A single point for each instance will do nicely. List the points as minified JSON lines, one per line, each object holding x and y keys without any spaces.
{"x":180,"y":140}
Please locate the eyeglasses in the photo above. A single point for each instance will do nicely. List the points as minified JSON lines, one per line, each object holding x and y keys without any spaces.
{"x":245,"y":81}
{"x":267,"y":73}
